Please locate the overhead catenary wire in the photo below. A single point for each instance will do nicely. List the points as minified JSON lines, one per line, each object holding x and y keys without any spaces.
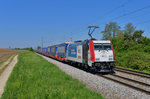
{"x":135,"y":17}
{"x":114,"y":9}
{"x":127,"y":14}
{"x":132,"y":12}
{"x":106,"y":14}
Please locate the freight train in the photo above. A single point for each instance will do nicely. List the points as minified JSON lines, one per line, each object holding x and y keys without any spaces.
{"x":97,"y":55}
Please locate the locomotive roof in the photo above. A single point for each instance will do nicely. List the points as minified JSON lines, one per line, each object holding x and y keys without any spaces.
{"x":101,"y":41}
{"x":59,"y":44}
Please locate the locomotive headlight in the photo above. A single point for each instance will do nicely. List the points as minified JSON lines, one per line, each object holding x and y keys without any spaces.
{"x":110,"y":59}
{"x":97,"y":59}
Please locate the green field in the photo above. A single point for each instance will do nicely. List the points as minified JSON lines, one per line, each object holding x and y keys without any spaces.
{"x":34,"y":77}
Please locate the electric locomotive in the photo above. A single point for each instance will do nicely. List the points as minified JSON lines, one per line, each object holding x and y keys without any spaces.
{"x":97,"y":55}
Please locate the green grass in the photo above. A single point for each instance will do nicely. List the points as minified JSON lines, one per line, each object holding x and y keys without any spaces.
{"x":34,"y":77}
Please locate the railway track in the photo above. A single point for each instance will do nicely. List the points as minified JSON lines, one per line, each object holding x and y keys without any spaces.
{"x":134,"y":84}
{"x":130,"y":82}
{"x":137,"y":85}
{"x":145,"y":75}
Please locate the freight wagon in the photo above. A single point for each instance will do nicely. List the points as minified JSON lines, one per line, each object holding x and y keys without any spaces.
{"x":62,"y":51}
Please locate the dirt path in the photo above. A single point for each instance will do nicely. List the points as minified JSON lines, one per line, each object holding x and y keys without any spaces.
{"x":5,"y":74}
{"x":4,"y":64}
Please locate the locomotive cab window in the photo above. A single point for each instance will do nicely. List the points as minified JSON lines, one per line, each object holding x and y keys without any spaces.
{"x":102,"y":46}
{"x":97,"y":47}
{"x":107,"y":47}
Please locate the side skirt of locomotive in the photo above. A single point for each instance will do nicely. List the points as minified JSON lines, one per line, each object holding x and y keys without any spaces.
{"x":103,"y":67}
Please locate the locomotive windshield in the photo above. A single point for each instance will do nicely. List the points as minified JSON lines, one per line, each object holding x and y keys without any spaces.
{"x":107,"y":47}
{"x":98,"y":47}
{"x":104,"y":46}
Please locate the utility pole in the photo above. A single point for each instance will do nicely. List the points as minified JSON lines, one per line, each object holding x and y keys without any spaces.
{"x":9,"y":47}
{"x":41,"y":43}
{"x":91,"y":30}
{"x":71,"y":37}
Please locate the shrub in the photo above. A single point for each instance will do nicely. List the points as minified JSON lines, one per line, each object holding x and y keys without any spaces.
{"x":133,"y":59}
{"x":30,"y":49}
{"x":147,"y":49}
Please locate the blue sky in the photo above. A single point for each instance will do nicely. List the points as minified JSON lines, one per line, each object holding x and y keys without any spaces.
{"x":24,"y":22}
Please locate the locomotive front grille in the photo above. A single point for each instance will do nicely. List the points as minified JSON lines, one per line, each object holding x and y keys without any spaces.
{"x":103,"y":64}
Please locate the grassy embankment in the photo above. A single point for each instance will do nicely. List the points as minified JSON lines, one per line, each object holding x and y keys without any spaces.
{"x":34,"y":77}
{"x":131,"y":54}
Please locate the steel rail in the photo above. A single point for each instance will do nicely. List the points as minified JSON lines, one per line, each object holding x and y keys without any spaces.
{"x":145,"y":75}
{"x":128,"y":85}
{"x":135,"y":81}
{"x":134,"y":71}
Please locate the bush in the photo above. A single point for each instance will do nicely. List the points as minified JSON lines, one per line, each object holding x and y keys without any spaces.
{"x":30,"y":49}
{"x":147,"y":49}
{"x":132,"y":54}
{"x":133,"y":59}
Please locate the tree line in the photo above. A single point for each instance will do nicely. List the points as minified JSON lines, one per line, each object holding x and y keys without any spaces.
{"x":27,"y":48}
{"x":112,"y":30}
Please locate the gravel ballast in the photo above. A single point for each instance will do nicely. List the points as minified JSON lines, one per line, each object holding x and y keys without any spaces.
{"x":107,"y":88}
